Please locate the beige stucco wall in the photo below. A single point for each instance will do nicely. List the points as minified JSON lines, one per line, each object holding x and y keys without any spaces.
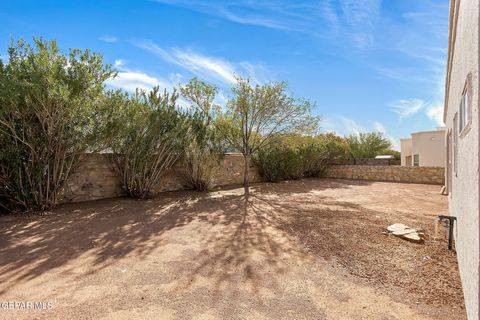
{"x":95,"y":178}
{"x":430,"y":146}
{"x":464,"y":191}
{"x":406,"y":151}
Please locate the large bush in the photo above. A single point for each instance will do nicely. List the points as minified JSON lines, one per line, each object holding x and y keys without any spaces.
{"x":149,"y":137}
{"x":367,"y":145}
{"x":319,"y":151}
{"x":296,"y":156}
{"x":204,"y":148}
{"x":51,"y":112}
{"x":279,"y":161}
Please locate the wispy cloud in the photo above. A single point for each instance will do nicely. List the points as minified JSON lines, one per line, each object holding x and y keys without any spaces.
{"x":407,"y":107}
{"x":205,"y":66}
{"x":404,"y":74}
{"x":361,"y":16}
{"x":341,"y":125}
{"x":435,"y":113}
{"x":252,"y":20}
{"x":379,"y":127}
{"x":108,"y":38}
{"x":119,"y":63}
{"x":130,"y":80}
{"x":410,"y":107}
{"x":212,"y":68}
{"x":354,"y":20}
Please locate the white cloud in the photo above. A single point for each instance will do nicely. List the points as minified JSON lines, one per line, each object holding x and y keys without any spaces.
{"x":435,"y":113}
{"x":379,"y":127}
{"x":131,"y":80}
{"x":221,"y":99}
{"x":253,"y":20}
{"x":211,"y":68}
{"x":350,"y":126}
{"x":119,"y":63}
{"x":352,"y":20}
{"x":407,"y":107}
{"x":108,"y":38}
{"x":341,"y":125}
{"x":361,"y":17}
{"x":205,"y":66}
{"x":155,"y":49}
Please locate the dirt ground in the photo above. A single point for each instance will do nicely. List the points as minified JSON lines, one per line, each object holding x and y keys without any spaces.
{"x":309,"y":249}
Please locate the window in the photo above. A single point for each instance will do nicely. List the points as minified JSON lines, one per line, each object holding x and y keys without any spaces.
{"x":449,"y":161}
{"x":416,"y":160}
{"x":464,"y":113}
{"x":464,"y":116}
{"x":455,"y":143}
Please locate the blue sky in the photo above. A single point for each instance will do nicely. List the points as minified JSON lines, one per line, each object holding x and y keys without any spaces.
{"x":368,"y":64}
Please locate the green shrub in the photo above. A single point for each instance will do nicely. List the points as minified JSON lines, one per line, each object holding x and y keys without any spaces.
{"x":277,"y":162}
{"x":367,"y":145}
{"x":149,"y":137}
{"x":319,"y":151}
{"x":204,"y":148}
{"x":295,"y":156}
{"x":199,"y":167}
{"x":51,"y":112}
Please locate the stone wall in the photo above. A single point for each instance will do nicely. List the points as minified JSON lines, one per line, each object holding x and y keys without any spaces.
{"x":428,"y":175}
{"x":95,"y":178}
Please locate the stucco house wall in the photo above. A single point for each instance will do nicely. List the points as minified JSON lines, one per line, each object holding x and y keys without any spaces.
{"x":406,"y":152}
{"x":430,"y":146}
{"x":463,"y":148}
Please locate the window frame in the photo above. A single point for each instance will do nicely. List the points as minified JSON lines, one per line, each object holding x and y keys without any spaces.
{"x":455,"y":144}
{"x":416,"y":160}
{"x":465,"y":109}
{"x":449,"y":162}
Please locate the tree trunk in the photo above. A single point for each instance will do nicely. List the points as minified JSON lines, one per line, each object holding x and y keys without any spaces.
{"x":246,"y":182}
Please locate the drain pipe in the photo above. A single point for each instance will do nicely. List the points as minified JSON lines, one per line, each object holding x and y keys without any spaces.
{"x":451,"y":221}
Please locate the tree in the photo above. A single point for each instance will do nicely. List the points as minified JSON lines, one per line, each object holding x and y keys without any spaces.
{"x":257,"y":113}
{"x":367,"y":145}
{"x":149,"y":138}
{"x":51,"y":112}
{"x":202,"y":154}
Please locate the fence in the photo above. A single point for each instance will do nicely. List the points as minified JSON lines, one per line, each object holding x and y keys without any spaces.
{"x":95,"y":178}
{"x":428,"y":175}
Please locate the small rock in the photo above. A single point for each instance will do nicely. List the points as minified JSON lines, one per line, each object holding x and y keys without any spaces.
{"x":405,"y":232}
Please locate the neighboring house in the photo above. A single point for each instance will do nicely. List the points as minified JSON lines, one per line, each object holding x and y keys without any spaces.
{"x":424,"y":149}
{"x":461,"y":116}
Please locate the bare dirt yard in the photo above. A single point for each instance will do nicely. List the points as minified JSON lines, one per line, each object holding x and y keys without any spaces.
{"x":309,"y":249}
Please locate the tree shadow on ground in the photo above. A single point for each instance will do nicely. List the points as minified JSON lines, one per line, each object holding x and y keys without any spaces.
{"x":245,"y":237}
{"x":109,"y":230}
